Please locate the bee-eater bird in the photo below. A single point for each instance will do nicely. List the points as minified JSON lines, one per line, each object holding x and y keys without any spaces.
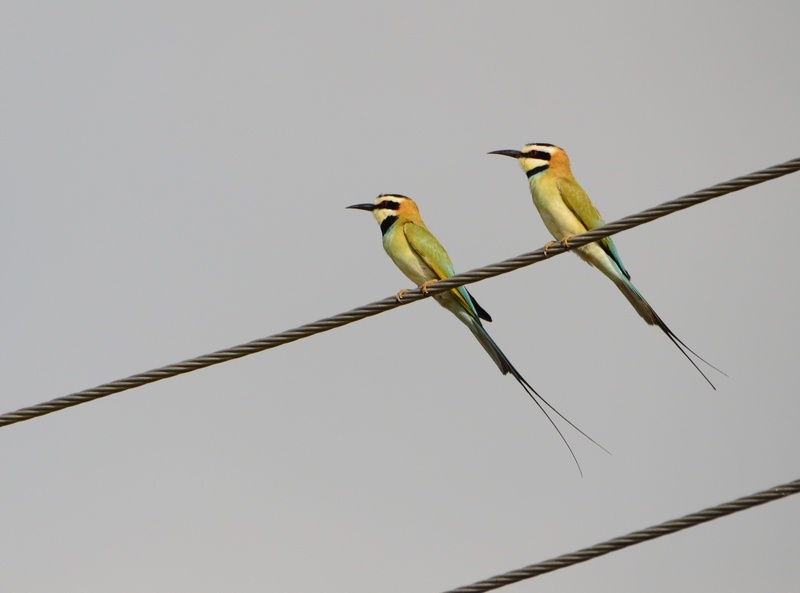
{"x":566,"y":210}
{"x":420,"y":256}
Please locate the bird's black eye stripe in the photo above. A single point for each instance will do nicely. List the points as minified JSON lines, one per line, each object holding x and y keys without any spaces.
{"x":389,"y":205}
{"x":538,"y":154}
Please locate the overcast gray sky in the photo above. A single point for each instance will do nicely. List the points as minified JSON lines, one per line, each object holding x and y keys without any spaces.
{"x":174,"y":181}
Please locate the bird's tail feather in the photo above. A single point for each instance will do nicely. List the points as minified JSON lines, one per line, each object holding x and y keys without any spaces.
{"x":636,"y":299}
{"x":506,"y":367}
{"x":649,"y":314}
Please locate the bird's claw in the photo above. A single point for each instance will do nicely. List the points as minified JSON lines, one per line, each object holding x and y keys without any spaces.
{"x":564,"y":242}
{"x":424,"y":286}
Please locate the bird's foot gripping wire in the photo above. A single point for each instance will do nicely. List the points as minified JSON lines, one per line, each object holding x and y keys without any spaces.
{"x":564,"y":242}
{"x":424,"y":286}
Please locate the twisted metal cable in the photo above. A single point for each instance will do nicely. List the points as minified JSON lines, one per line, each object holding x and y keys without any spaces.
{"x":412,"y":295}
{"x":623,"y":224}
{"x":636,"y":537}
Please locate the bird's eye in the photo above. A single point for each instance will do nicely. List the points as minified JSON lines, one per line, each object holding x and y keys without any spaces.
{"x":387,"y":205}
{"x":538,"y":154}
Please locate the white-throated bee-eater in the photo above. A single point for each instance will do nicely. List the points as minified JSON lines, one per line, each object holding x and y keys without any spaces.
{"x":420,"y":256}
{"x":566,"y":210}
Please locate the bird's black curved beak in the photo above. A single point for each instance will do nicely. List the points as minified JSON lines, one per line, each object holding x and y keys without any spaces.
{"x":514,"y":154}
{"x":368,"y":207}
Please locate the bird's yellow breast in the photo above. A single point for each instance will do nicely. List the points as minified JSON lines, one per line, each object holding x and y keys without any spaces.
{"x":556,"y":215}
{"x":397,"y":248}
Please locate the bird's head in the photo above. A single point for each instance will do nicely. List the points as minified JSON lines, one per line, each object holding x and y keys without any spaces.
{"x":537,"y":158}
{"x":387,"y":208}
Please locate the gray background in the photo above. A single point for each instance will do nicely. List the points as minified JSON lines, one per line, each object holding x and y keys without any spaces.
{"x":174,"y":179}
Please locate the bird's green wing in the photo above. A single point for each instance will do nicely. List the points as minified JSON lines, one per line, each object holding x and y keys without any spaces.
{"x":428,"y":248}
{"x":581,"y":206}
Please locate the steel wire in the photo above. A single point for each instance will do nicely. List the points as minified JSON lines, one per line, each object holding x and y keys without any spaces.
{"x":631,"y":539}
{"x":415,"y":294}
